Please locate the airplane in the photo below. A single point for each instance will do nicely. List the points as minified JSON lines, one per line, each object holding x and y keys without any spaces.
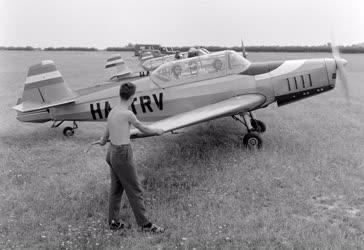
{"x":154,"y":49}
{"x":118,"y":69}
{"x":184,"y":92}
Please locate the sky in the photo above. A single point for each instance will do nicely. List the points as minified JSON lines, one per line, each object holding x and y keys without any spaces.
{"x":106,"y":23}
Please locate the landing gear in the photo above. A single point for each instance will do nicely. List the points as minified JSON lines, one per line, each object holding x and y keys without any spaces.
{"x":56,"y":125}
{"x":67,"y":131}
{"x":252,"y":139}
{"x":258,"y":125}
{"x":70,"y":131}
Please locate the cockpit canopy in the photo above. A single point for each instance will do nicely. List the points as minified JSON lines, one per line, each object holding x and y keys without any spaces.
{"x":151,"y":63}
{"x":206,"y":66}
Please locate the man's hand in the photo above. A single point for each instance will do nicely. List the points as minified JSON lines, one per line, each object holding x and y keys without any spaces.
{"x":159,"y":131}
{"x":100,"y":142}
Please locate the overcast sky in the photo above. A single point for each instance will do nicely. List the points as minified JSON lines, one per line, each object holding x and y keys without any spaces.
{"x":96,"y":23}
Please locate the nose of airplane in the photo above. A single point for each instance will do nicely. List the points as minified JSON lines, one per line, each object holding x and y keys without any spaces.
{"x":331,"y":67}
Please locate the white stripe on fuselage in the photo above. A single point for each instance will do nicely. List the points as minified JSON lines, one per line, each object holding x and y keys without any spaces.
{"x":42,"y":77}
{"x":286,"y":68}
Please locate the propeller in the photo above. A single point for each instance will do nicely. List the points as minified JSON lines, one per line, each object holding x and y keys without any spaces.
{"x":340,"y":63}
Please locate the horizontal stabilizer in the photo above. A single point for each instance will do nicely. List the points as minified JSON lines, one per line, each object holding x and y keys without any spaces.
{"x":31,"y":106}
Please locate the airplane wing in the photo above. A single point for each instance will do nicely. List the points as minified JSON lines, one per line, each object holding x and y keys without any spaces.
{"x":227,"y":107}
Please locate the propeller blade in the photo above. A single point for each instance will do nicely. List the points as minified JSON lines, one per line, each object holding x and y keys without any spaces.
{"x":334,"y":49}
{"x":343,"y":77}
{"x":243,"y":49}
{"x":340,"y":63}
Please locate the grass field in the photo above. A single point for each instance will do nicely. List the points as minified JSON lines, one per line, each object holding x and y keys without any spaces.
{"x":304,"y":189}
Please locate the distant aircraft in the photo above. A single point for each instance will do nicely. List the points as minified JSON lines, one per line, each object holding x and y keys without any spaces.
{"x":183,"y":92}
{"x":155,"y":49}
{"x":118,"y":68}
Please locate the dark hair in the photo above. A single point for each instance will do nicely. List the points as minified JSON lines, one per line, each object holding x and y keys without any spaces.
{"x":127,"y":90}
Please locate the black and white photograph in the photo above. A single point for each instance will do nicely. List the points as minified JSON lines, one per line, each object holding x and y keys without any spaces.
{"x":181,"y":124}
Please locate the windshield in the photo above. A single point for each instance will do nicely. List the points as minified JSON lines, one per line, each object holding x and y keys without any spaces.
{"x":237,"y":63}
{"x":205,"y":50}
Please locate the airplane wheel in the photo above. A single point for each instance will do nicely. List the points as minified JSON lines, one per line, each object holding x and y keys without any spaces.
{"x":252,"y":141}
{"x":258,"y":126}
{"x":68,"y":131}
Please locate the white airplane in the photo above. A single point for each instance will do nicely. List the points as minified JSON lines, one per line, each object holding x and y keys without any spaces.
{"x":183,"y":92}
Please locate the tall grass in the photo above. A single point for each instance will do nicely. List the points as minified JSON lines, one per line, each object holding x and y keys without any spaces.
{"x":304,"y":189}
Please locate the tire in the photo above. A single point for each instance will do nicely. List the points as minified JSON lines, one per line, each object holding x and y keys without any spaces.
{"x":68,"y":131}
{"x":258,"y":126}
{"x":252,"y":141}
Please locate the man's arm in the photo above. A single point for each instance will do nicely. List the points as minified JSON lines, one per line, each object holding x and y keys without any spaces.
{"x":142,"y":127}
{"x":104,"y":138}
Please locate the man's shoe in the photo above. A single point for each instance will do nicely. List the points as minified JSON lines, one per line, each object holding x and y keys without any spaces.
{"x":153,"y":228}
{"x":115,"y":225}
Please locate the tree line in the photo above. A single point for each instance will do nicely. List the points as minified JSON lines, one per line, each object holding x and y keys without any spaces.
{"x":320,"y":48}
{"x":30,"y":48}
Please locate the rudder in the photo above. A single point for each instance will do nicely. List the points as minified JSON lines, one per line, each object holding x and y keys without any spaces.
{"x":45,"y":84}
{"x":115,"y":67}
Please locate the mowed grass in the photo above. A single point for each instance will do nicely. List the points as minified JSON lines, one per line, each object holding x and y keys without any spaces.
{"x":304,"y":189}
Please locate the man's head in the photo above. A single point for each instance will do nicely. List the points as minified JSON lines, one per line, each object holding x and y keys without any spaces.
{"x":127,"y":90}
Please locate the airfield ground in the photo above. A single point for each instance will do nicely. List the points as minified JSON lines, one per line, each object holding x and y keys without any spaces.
{"x":304,"y":189}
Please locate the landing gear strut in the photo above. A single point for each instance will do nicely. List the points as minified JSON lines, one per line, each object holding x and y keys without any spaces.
{"x":67,"y":131}
{"x":252,"y":139}
{"x":56,"y":125}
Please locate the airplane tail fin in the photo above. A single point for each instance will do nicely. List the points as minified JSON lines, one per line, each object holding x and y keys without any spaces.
{"x":115,"y":67}
{"x":44,"y":87}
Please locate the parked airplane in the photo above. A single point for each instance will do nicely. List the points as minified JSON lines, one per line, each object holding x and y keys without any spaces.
{"x":118,"y":68}
{"x":184,"y":92}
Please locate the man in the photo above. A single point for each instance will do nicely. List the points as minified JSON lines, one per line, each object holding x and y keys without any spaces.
{"x":192,"y":52}
{"x":120,"y":159}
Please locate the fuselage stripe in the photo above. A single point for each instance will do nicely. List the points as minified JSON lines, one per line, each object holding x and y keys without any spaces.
{"x":309,"y":76}
{"x":41,"y":69}
{"x":289,"y":85}
{"x":43,"y":83}
{"x":295,"y":82}
{"x":42,"y":77}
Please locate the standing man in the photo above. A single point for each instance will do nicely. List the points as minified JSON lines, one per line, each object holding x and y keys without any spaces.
{"x":120,"y":159}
